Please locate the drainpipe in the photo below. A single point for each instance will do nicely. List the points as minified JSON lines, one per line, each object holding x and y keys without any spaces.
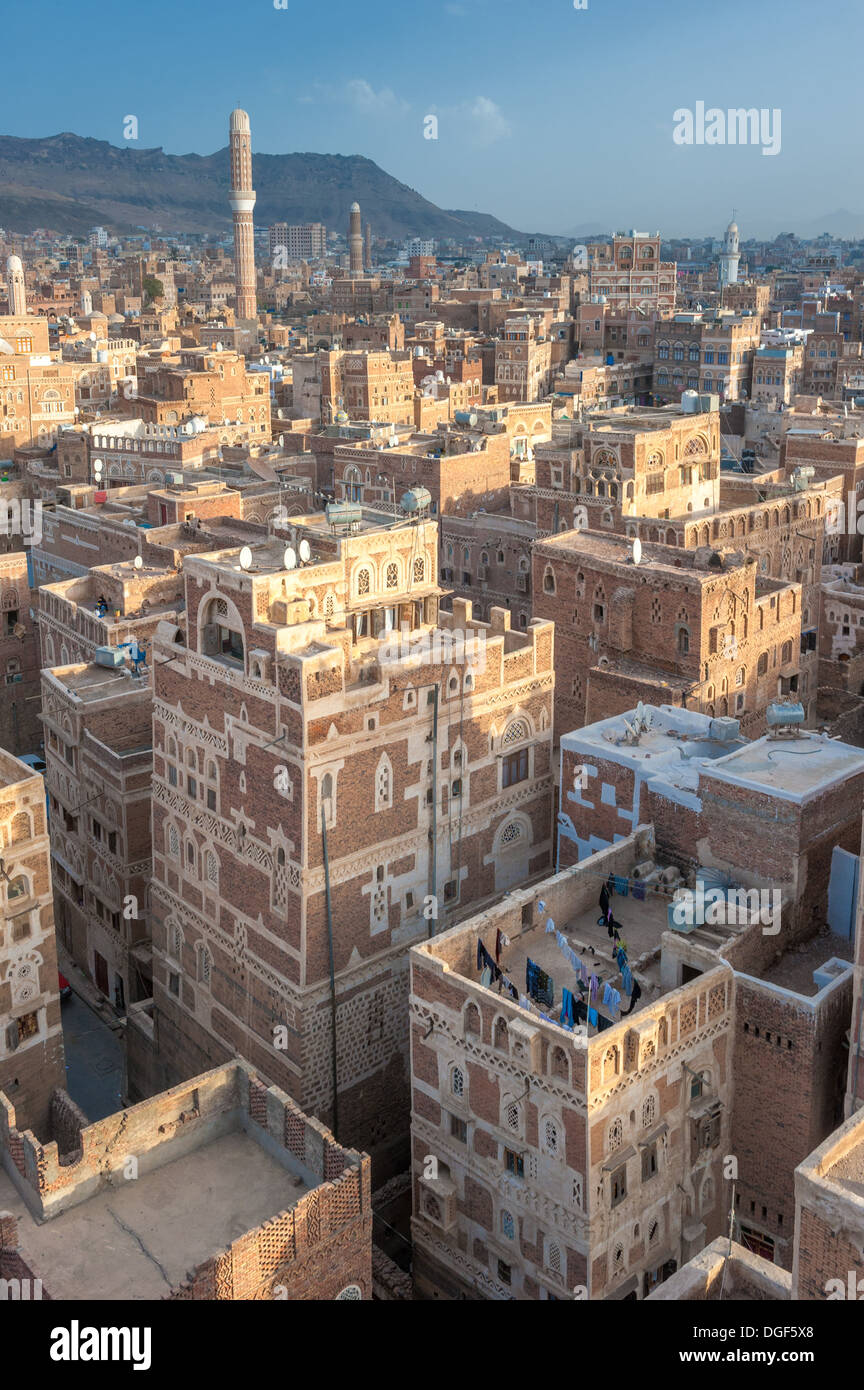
{"x":433,"y":832}
{"x":332,"y":971}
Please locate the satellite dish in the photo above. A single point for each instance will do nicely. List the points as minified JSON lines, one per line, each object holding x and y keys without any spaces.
{"x":305,"y":550}
{"x":92,"y":337}
{"x":245,"y":558}
{"x":281,"y":441}
{"x":138,"y":562}
{"x":97,"y":466}
{"x":289,"y":559}
{"x":637,"y":550}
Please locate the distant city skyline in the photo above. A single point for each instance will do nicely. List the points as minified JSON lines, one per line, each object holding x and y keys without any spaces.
{"x":550,"y":119}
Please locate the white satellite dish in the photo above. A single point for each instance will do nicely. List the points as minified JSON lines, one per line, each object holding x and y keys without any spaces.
{"x":245,"y":558}
{"x":637,"y":550}
{"x":305,"y":550}
{"x":138,"y":562}
{"x":289,"y":559}
{"x":97,"y":466}
{"x":281,"y":441}
{"x":92,"y":337}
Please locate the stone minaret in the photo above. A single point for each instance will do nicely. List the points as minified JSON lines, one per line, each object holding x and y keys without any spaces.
{"x":367,"y":248}
{"x":729,"y":256}
{"x":242,"y":200}
{"x":355,"y":240}
{"x":15,"y":291}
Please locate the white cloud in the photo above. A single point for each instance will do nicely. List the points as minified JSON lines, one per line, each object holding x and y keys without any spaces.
{"x":488,"y":121}
{"x":363,"y":97}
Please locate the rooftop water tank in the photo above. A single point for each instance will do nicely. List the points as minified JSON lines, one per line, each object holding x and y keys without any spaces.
{"x":343,"y":513}
{"x":690,"y":402}
{"x":466,"y":417}
{"x":784,"y":716}
{"x":419,"y":499}
{"x":108,"y":656}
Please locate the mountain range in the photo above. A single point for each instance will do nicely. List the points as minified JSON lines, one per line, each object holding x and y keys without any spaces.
{"x":71,"y":183}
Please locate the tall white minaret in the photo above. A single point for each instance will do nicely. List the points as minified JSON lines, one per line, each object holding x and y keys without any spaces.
{"x":730,"y":256}
{"x":15,"y":289}
{"x":242,"y":200}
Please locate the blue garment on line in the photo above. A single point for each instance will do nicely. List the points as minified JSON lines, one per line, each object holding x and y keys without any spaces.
{"x":622,"y":885}
{"x":627,"y":979}
{"x":567,"y":1016}
{"x":592,"y":1017}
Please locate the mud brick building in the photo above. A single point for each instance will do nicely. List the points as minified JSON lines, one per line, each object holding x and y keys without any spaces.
{"x":31,"y":1038}
{"x":828,"y":1263}
{"x":565,"y":1162}
{"x":282,"y":705}
{"x":656,"y":463}
{"x":99,"y":756}
{"x":779,"y":815}
{"x":146,"y":1204}
{"x":700,"y":628}
{"x":204,"y":382}
{"x":20,"y":731}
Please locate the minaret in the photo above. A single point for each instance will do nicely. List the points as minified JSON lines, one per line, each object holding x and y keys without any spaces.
{"x":367,"y":248}
{"x":242,"y":200}
{"x":730,"y":256}
{"x":355,"y":240}
{"x":15,"y":290}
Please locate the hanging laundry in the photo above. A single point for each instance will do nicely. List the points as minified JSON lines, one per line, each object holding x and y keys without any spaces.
{"x":634,"y":997}
{"x":639,"y":891}
{"x":594,"y":984}
{"x":567,"y":1002}
{"x":622,"y":885}
{"x":627,"y":980}
{"x":604,"y":899}
{"x":538,"y":984}
{"x":497,"y":945}
{"x":581,"y":1012}
{"x":525,"y":1002}
{"x":603,"y":1023}
{"x":607,"y":993}
{"x":550,"y":926}
{"x":592,"y":1017}
{"x":486,"y":977}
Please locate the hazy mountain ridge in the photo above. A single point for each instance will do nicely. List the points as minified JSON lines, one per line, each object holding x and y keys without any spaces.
{"x":70,"y":182}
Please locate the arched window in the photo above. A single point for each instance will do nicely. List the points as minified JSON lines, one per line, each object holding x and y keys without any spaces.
{"x":550,"y":1137}
{"x":457,"y":1082}
{"x":419,"y":570}
{"x":391,"y":578}
{"x":559,"y":1065}
{"x":472,"y":1021}
{"x":508,"y":1225}
{"x":649,"y":1112}
{"x":553,"y":1257}
{"x":616,"y":1135}
{"x":173,"y":842}
{"x":364,"y":581}
{"x":500,"y":1036}
{"x":511,"y":1117}
{"x":549,"y":580}
{"x":515,"y":732}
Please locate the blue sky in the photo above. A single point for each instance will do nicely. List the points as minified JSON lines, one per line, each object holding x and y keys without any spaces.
{"x":549,"y":117}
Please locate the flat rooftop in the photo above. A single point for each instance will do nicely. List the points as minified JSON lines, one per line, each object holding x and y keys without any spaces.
{"x":795,"y":968}
{"x":666,"y":740}
{"x":615,"y":550}
{"x":642,"y":925}
{"x":848,"y":1171}
{"x":794,"y":768}
{"x":12,"y":771}
{"x":138,"y":1240}
{"x":91,"y":683}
